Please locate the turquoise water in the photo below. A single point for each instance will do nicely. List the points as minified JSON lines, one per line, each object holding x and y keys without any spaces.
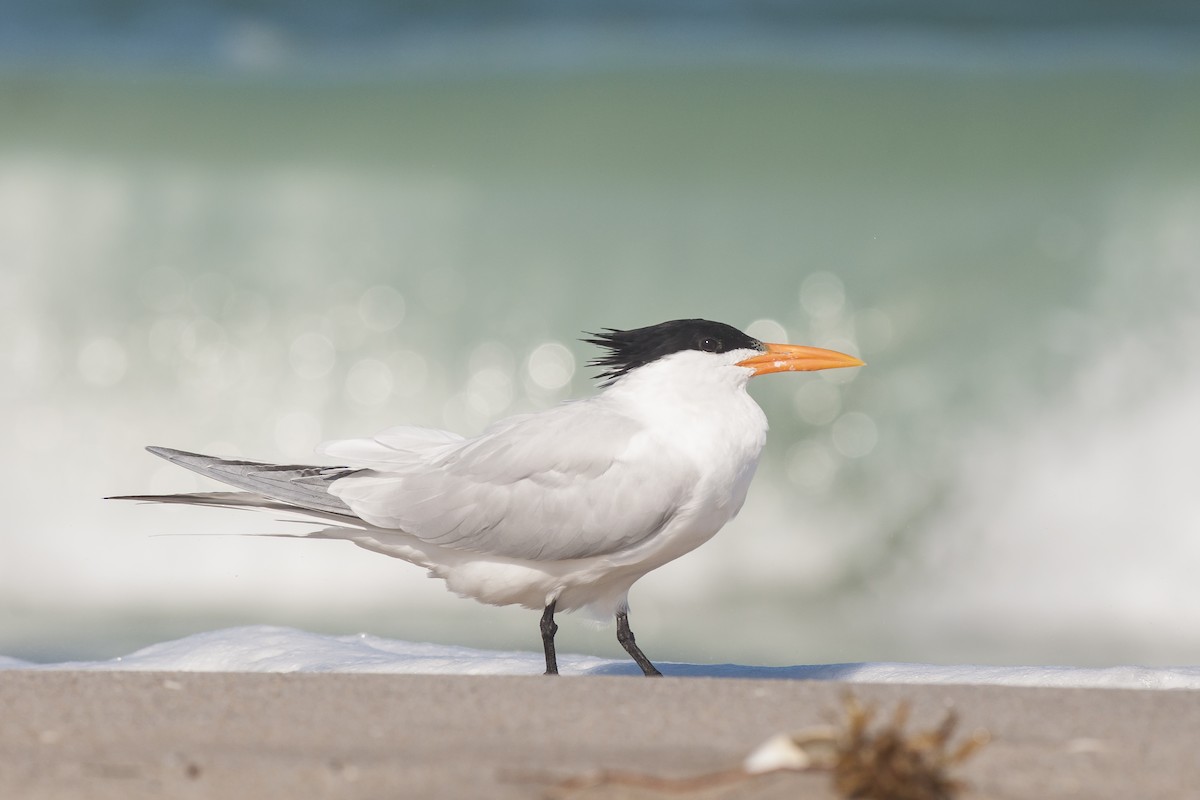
{"x":250,"y":253}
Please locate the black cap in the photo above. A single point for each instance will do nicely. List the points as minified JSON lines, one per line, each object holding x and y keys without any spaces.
{"x":628,"y":350}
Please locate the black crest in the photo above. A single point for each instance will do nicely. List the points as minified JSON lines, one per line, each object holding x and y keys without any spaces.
{"x":628,"y":350}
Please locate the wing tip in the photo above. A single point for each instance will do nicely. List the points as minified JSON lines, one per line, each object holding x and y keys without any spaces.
{"x":169,"y":453}
{"x":140,"y":498}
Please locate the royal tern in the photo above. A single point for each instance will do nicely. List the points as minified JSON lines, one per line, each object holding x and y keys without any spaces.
{"x":557,"y":510}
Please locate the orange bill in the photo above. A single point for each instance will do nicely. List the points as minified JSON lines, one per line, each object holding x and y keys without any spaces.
{"x":797,"y":358}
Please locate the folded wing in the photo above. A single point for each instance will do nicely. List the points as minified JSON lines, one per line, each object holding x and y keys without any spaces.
{"x":562,"y":484}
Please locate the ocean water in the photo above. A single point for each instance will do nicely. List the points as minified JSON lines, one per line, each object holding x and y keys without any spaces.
{"x":263,"y":648}
{"x":246,"y":230}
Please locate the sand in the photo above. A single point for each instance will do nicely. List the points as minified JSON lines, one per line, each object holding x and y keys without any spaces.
{"x":103,"y":735}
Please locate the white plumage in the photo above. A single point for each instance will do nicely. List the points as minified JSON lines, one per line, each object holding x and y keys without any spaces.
{"x":572,"y":504}
{"x":561,"y":509}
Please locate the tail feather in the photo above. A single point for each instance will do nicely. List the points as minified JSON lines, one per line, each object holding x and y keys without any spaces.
{"x":235,"y":500}
{"x":290,"y":485}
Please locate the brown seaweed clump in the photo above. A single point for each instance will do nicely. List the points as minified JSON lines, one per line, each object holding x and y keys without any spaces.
{"x":881,"y":763}
{"x":890,"y":764}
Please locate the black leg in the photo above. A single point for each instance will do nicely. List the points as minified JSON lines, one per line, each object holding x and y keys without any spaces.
{"x":625,"y":637}
{"x":548,"y":631}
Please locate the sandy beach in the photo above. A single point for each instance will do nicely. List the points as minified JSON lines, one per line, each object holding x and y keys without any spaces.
{"x":140,"y":735}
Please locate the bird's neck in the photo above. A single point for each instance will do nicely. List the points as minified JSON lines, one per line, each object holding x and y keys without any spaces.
{"x":707,"y":414}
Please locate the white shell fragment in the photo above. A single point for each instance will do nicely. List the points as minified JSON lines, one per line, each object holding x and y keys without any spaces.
{"x":812,"y":748}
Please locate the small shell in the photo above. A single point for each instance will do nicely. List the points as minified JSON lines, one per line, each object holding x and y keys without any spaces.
{"x":812,"y":748}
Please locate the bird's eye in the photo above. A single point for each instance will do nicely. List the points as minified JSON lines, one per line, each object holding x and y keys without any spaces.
{"x":710,"y":345}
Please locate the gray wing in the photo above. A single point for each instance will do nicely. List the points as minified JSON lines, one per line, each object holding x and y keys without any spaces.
{"x":576,"y":481}
{"x":306,"y":487}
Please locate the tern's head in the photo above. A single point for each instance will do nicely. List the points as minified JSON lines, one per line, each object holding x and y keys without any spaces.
{"x":709,"y":345}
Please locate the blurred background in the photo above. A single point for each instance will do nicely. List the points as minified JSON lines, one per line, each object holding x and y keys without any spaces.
{"x":243,"y":227}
